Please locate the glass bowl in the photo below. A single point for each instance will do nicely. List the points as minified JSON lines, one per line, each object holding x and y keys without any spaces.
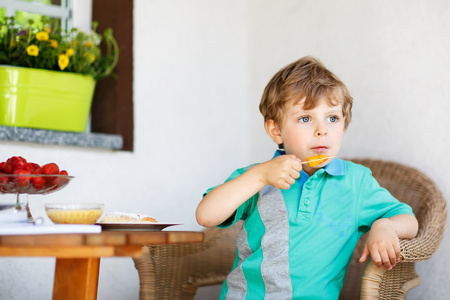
{"x":32,"y":183}
{"x":74,"y":213}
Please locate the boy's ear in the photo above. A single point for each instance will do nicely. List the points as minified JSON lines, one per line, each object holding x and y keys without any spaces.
{"x":273,"y":131}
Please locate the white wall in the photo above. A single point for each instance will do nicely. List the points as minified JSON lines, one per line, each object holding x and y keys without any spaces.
{"x":200,"y":68}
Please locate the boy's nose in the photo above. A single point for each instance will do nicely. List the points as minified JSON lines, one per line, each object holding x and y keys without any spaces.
{"x":320,"y":131}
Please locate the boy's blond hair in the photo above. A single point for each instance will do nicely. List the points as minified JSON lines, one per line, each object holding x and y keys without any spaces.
{"x":305,"y":78}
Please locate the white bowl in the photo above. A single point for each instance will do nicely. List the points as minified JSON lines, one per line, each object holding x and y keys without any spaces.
{"x":74,"y":213}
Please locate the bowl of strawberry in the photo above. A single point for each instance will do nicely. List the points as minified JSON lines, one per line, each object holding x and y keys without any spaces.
{"x":19,"y":176}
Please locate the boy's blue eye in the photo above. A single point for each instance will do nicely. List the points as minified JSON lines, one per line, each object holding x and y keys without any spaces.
{"x":333,"y":119}
{"x":304,"y":119}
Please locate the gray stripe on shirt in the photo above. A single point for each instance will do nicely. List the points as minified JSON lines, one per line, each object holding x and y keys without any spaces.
{"x":275,"y":244}
{"x":236,"y":282}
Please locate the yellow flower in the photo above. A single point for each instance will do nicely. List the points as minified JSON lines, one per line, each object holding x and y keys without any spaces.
{"x":42,"y":36}
{"x":53,"y":43}
{"x":88,"y":44}
{"x":47,"y":29}
{"x":70,"y":52}
{"x":63,"y":61}
{"x":33,"y":50}
{"x":91,"y":56}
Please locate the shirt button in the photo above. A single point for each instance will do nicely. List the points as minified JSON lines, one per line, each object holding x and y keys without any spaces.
{"x":307,"y":202}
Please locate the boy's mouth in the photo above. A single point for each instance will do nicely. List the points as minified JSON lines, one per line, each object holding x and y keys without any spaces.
{"x":320,"y":149}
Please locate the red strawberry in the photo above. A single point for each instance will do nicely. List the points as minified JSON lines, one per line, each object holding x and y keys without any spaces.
{"x":2,"y":164}
{"x":63,"y":180}
{"x":18,"y":164}
{"x":8,"y":167}
{"x":50,"y":169}
{"x":22,"y":181}
{"x":3,"y":179}
{"x":22,"y":159}
{"x":29,"y":167}
{"x":60,"y":181}
{"x":13,"y":159}
{"x":14,"y":162}
{"x":3,"y":182}
{"x":35,"y":166}
{"x":38,"y":181}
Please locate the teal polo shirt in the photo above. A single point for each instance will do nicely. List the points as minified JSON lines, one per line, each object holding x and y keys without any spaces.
{"x":297,"y":243}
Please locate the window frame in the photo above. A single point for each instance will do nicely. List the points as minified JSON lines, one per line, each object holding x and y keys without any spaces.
{"x":62,"y":12}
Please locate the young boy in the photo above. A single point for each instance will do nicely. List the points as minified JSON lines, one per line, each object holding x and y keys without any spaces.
{"x":302,"y":223}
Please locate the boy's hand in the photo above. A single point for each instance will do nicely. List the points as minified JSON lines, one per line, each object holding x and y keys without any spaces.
{"x":281,"y":172}
{"x":383,"y":245}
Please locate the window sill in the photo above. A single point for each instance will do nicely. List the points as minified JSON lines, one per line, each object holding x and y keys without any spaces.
{"x":50,"y":137}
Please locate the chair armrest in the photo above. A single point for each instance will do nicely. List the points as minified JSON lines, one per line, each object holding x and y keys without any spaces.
{"x":432,"y":225}
{"x":371,"y":280}
{"x":417,"y":249}
{"x":378,"y":281}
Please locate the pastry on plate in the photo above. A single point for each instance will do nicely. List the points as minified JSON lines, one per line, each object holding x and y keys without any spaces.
{"x":120,"y":217}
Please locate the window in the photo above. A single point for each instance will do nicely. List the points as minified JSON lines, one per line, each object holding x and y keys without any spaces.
{"x":24,"y":10}
{"x":112,"y":107}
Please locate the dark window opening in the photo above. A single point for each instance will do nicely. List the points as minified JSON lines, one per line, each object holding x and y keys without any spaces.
{"x":112,"y":107}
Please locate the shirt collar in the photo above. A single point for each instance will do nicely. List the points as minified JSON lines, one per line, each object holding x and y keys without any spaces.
{"x":336,"y":167}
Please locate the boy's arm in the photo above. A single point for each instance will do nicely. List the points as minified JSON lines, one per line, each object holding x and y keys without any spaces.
{"x":221,"y":203}
{"x":383,"y":243}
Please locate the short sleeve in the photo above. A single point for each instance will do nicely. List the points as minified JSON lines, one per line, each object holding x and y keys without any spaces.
{"x":242,"y":211}
{"x":376,"y":202}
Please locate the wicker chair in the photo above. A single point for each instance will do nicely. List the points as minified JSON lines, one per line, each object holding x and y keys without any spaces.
{"x":176,"y":271}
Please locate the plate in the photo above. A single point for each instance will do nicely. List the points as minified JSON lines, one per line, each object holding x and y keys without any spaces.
{"x":136,"y":226}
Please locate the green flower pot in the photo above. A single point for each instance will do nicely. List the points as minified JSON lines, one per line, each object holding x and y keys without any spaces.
{"x":45,"y":99}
